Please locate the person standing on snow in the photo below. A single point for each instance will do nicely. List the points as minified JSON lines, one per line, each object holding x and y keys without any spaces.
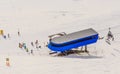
{"x":31,"y":52}
{"x":36,"y":43}
{"x":20,"y":45}
{"x":19,"y":33}
{"x":110,"y":35}
{"x":7,"y":62}
{"x":24,"y":45}
{"x":8,"y":35}
{"x":32,"y":44}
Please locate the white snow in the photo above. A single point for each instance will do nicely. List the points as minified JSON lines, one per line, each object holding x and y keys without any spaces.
{"x":37,"y":19}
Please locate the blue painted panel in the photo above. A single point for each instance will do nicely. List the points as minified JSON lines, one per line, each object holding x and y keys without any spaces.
{"x":73,"y":44}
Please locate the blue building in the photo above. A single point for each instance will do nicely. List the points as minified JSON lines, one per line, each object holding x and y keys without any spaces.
{"x":73,"y":40}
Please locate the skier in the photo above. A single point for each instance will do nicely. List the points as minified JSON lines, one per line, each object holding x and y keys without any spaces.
{"x":8,"y":35}
{"x":32,"y":52}
{"x":4,"y":36}
{"x":27,"y":50}
{"x":40,"y":47}
{"x":36,"y":43}
{"x":20,"y":45}
{"x":7,"y":62}
{"x":24,"y":45}
{"x":32,"y":44}
{"x":110,"y":35}
{"x":19,"y":33}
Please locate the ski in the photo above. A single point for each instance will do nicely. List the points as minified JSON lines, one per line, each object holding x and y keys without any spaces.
{"x":108,"y":42}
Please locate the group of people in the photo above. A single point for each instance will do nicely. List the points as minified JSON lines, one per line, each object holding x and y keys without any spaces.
{"x":23,"y":46}
{"x":7,"y":36}
{"x":35,"y":45}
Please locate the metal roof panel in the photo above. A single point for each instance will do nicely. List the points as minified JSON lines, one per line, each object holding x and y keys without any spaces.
{"x":74,"y":36}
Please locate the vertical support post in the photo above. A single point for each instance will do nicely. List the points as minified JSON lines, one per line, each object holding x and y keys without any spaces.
{"x":86,"y":48}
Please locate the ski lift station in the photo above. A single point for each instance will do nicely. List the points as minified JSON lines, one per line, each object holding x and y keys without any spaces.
{"x":73,"y":40}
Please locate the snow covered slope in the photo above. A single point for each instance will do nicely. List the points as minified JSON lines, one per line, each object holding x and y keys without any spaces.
{"x":38,"y":19}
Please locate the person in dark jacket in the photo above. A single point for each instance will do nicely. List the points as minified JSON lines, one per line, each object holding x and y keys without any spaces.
{"x":110,"y":35}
